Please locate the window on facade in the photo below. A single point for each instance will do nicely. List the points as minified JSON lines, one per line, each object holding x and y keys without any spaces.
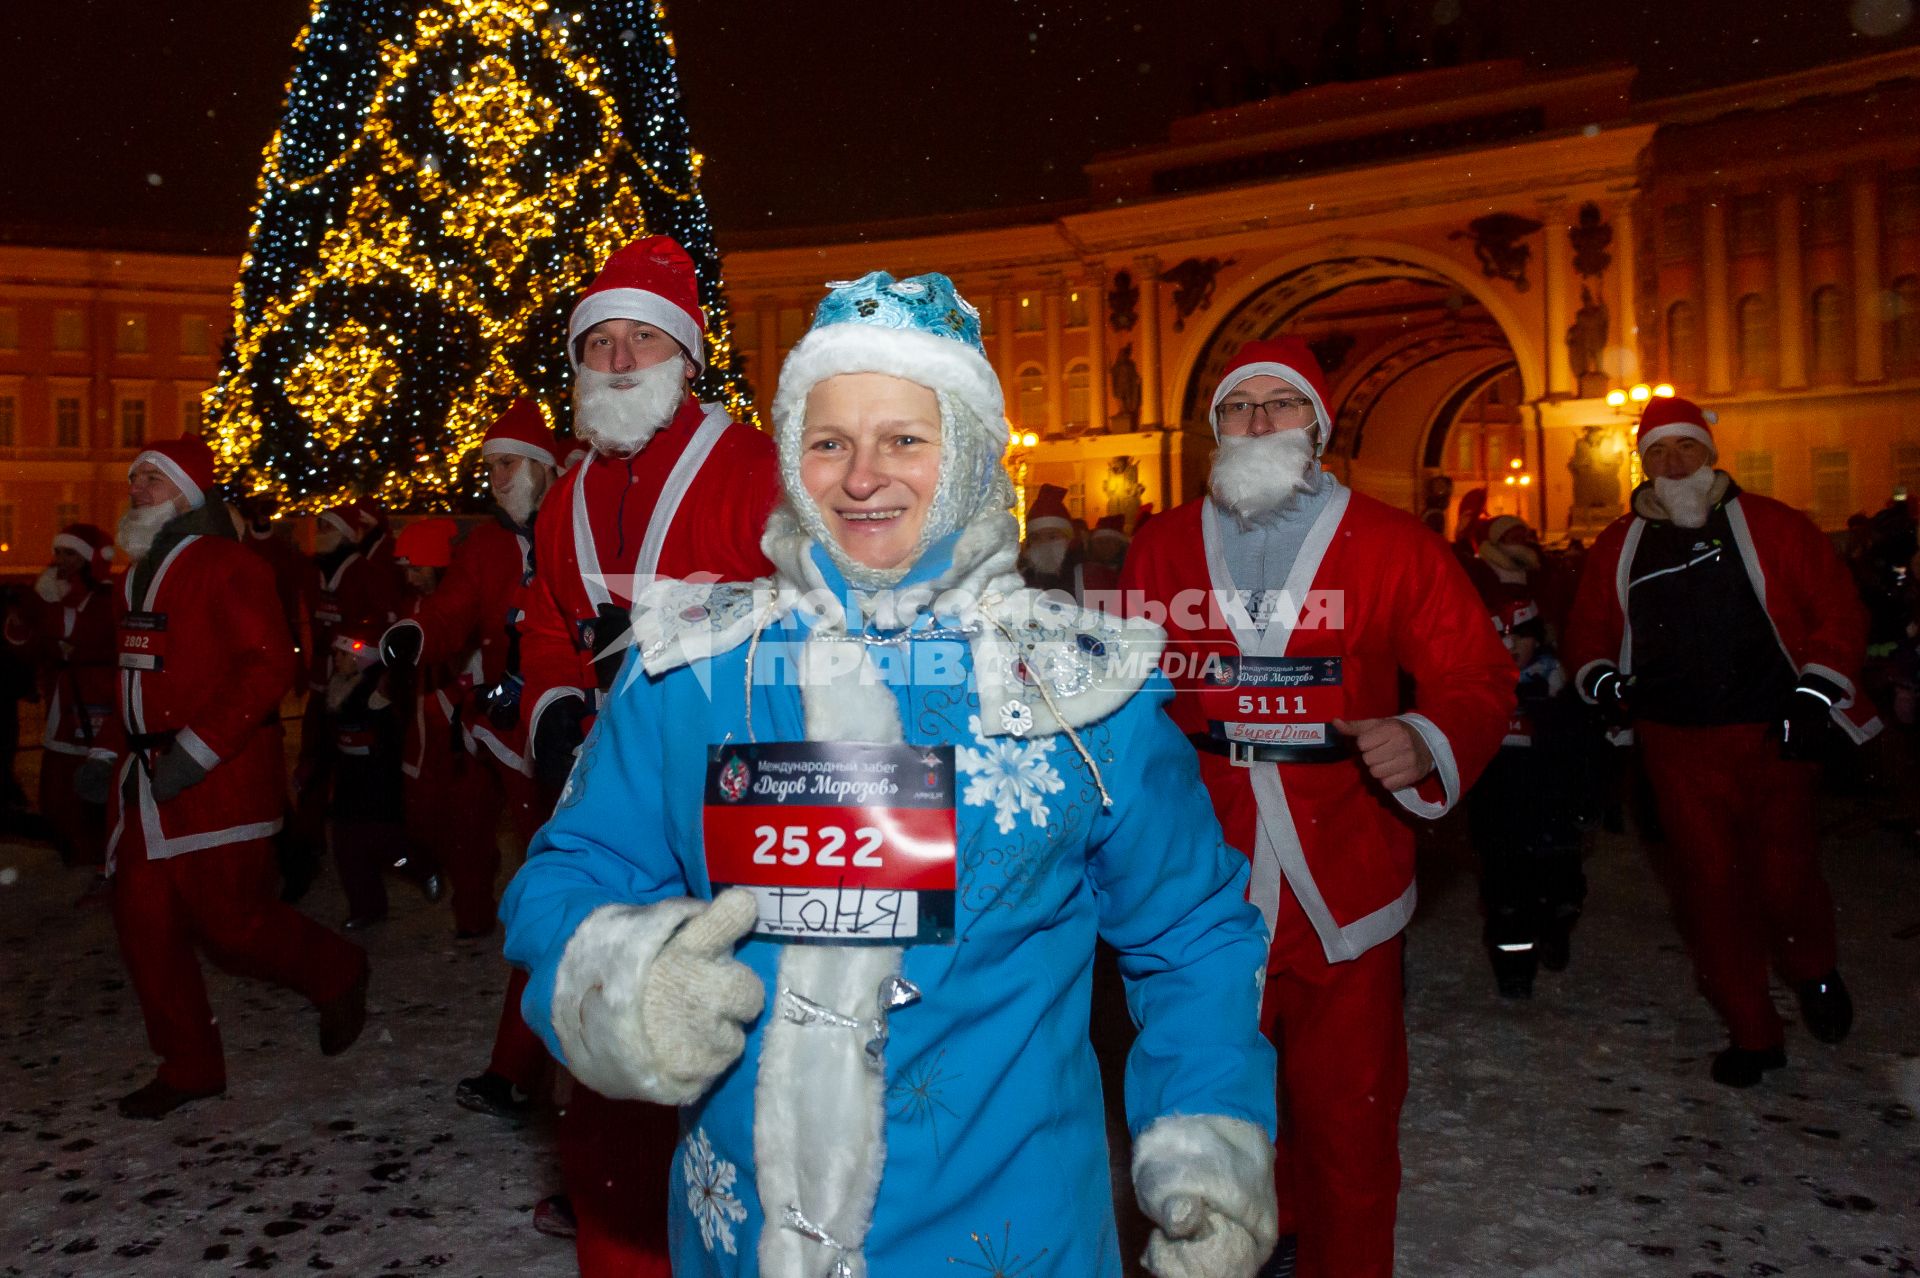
{"x":1683,"y":347}
{"x":1906,"y":467}
{"x":1754,"y":471}
{"x":6,"y":528}
{"x":1903,"y":201}
{"x":69,"y":330}
{"x":1829,"y":214}
{"x":1027,"y":316}
{"x":67,"y":512}
{"x":66,"y":422}
{"x":1079,"y":396}
{"x":191,"y":418}
{"x":130,"y":333}
{"x":196,"y":335}
{"x":1752,"y":228}
{"x":1679,"y":233}
{"x":1832,"y":486}
{"x":8,"y":420}
{"x":133,"y":423}
{"x":9,"y":329}
{"x":1828,"y":316}
{"x":1903,"y":328}
{"x":1753,"y":322}
{"x":1077,"y":308}
{"x":1033,"y":398}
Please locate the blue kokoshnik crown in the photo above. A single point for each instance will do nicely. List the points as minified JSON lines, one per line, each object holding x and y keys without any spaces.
{"x":928,"y":303}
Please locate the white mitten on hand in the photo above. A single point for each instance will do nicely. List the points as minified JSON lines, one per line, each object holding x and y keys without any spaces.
{"x":1206,"y":1182}
{"x":649,"y":1002}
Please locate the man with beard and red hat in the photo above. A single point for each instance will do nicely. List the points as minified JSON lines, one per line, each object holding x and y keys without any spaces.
{"x":1294,"y":608}
{"x":671,"y":488}
{"x":191,"y":767}
{"x":466,"y":625}
{"x":1723,"y":627}
{"x":67,"y":631}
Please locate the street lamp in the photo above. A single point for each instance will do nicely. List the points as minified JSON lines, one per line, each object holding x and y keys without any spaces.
{"x":1637,"y":394}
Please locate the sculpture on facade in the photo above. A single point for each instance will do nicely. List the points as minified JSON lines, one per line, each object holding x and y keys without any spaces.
{"x":1587,"y":343}
{"x":1496,"y":243}
{"x":1192,"y":282}
{"x":1598,"y":456}
{"x":1122,"y":488}
{"x":1123,"y":302}
{"x":1125,"y":382}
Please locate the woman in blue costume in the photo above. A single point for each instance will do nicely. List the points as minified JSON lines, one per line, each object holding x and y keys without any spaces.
{"x":882,"y":1063}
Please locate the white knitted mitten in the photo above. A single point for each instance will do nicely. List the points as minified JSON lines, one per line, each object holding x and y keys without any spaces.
{"x":698,"y":996}
{"x":1206,"y":1182}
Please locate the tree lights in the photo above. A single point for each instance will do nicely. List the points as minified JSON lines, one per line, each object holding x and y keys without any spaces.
{"x":446,"y":179}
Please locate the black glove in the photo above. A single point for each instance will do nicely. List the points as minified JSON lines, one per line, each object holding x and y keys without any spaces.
{"x":556,"y":738}
{"x":1804,"y":722}
{"x":610,"y":643}
{"x":93,"y":783}
{"x":400,"y":646}
{"x":1609,"y":690}
{"x":175,"y":772}
{"x":500,"y":702}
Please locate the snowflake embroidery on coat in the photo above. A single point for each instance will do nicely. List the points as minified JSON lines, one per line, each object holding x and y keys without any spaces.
{"x":710,"y":1191}
{"x":1013,"y":776}
{"x":998,"y":1259}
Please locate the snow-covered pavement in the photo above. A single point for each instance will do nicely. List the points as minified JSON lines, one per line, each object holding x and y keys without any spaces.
{"x":1576,"y":1134}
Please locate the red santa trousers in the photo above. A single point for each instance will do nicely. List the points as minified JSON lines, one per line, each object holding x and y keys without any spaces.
{"x":615,"y":1159}
{"x":225,"y":901}
{"x":517,"y":1050}
{"x":80,"y":827}
{"x":1742,"y":862}
{"x":1340,"y":1031}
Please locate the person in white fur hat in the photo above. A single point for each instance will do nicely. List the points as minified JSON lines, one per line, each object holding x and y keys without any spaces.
{"x":830,"y":872}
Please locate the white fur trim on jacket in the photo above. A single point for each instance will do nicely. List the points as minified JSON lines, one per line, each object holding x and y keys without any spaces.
{"x":597,"y":997}
{"x":1190,"y":1167}
{"x":1444,"y":767}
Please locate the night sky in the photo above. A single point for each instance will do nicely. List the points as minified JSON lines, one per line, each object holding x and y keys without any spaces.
{"x":142,"y":121}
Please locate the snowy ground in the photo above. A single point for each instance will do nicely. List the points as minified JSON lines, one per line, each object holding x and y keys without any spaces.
{"x":1573,"y":1135}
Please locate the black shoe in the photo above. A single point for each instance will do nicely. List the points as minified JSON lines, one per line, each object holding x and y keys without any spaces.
{"x":1742,"y":1067}
{"x":157,"y":1100}
{"x":1556,"y":943}
{"x":433,"y":887}
{"x":361,"y":922}
{"x":1826,"y":1007}
{"x":493,"y":1095}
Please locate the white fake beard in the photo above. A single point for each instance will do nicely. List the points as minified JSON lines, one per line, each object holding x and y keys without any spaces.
{"x":1687,"y":500}
{"x":140,"y":525}
{"x":1257,"y":478}
{"x":618,"y":413}
{"x":1047,"y":557}
{"x":518,"y":496}
{"x":50,"y":585}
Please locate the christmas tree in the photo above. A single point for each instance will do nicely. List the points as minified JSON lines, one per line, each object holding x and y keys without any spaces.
{"x":447,"y":177}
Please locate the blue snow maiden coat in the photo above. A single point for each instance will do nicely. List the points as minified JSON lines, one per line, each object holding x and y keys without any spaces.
{"x":976,"y":1144}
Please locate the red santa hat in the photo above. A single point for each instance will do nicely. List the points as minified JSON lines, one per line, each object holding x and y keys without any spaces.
{"x":187,"y":461}
{"x":426,"y":543}
{"x":354,"y":519}
{"x":91,"y":544}
{"x":1110,"y":525}
{"x":1670,"y":417}
{"x":1512,"y":614}
{"x":1287,"y":358}
{"x":521,"y":432}
{"x":1048,"y":513}
{"x":650,"y":280}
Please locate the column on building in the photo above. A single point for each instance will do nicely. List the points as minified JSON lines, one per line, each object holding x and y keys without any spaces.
{"x":1559,"y":269}
{"x":1624,"y":303}
{"x":1717,"y":319}
{"x":1095,"y":288}
{"x":1006,"y":324}
{"x":1146,"y":270}
{"x":1869,"y":358}
{"x":1789,"y":285}
{"x":1051,"y":300}
{"x":766,"y":372}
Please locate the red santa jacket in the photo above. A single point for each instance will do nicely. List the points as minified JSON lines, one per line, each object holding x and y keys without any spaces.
{"x":73,"y":646}
{"x":367,"y":587}
{"x":611,"y":520}
{"x":1807,"y":592}
{"x":463,"y":628}
{"x":1376,"y":589}
{"x":294,"y":579}
{"x":204,"y":661}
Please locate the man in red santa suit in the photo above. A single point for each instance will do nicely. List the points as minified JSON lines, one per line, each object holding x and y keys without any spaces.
{"x":193,"y":768}
{"x":67,"y":631}
{"x":1723,"y":627}
{"x":671,"y":488}
{"x":1303,"y":604}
